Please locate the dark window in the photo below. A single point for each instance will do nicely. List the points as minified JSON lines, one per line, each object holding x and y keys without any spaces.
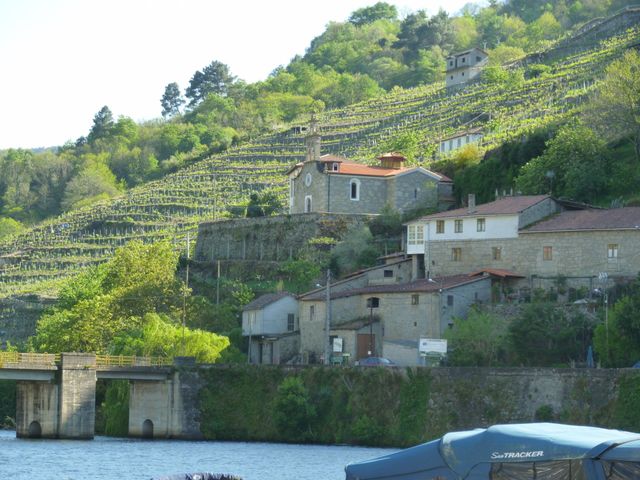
{"x":439,"y":226}
{"x":451,"y":77}
{"x":312,"y":312}
{"x":464,"y":59}
{"x":458,"y":226}
{"x":415,"y":299}
{"x":373,"y":302}
{"x":450,"y":300}
{"x":478,"y":58}
{"x":462,"y":73}
{"x":291,"y":322}
{"x":480,"y":225}
{"x":388,"y":273}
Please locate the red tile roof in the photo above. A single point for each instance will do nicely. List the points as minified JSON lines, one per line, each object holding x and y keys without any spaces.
{"x":422,"y":285}
{"x":574,"y":220}
{"x":496,"y":272}
{"x":503,"y":206}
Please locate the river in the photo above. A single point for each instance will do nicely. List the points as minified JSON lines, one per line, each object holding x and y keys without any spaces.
{"x":106,"y":458}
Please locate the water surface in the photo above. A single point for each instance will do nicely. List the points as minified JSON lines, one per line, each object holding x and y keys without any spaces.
{"x":107,"y":458}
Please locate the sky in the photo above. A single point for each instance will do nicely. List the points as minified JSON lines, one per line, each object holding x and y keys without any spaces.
{"x":61,"y":61}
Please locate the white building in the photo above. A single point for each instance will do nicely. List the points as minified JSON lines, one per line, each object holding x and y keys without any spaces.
{"x":271,"y":323}
{"x":460,"y":139}
{"x":464,"y":66}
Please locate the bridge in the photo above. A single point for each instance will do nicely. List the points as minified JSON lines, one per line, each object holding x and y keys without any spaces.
{"x":56,"y":394}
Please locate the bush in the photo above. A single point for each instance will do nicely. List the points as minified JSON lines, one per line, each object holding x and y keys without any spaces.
{"x":293,"y":411}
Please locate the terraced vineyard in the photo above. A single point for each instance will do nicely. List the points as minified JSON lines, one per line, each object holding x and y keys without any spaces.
{"x":36,"y":260}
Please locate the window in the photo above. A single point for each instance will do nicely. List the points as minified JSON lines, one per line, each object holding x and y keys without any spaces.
{"x":415,"y":193}
{"x":478,"y":58}
{"x":415,"y":234}
{"x":415,"y":299}
{"x":547,"y":253}
{"x":451,"y":64}
{"x":458,"y":226}
{"x":291,"y":322}
{"x":456,"y":254}
{"x":496,"y":253}
{"x":334,"y":166}
{"x":439,"y":226}
{"x":354,"y":187}
{"x":480,"y":225}
{"x":307,"y":204}
{"x":308,"y":179}
{"x":464,"y":59}
{"x":451,"y":77}
{"x":312,"y":312}
{"x":612,"y":250}
{"x":373,"y":302}
{"x":450,"y":300}
{"x":462,"y":73}
{"x":388,"y":273}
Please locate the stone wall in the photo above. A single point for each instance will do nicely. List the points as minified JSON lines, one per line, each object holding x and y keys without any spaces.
{"x":407,"y":406}
{"x":576,"y":256}
{"x":276,"y":239}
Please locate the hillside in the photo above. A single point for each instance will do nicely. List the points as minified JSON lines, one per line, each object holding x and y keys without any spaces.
{"x":34,"y":261}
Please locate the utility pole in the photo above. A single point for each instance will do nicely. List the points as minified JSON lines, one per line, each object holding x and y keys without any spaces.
{"x":218,"y":285}
{"x":327,"y":320}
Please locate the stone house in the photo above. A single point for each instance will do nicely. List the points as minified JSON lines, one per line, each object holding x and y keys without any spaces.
{"x":465,"y":66}
{"x":460,"y":139}
{"x":536,"y":241}
{"x":333,"y":184}
{"x":271,"y":324}
{"x":374,"y":310}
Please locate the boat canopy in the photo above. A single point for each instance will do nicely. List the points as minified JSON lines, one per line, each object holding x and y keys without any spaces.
{"x":514,"y":452}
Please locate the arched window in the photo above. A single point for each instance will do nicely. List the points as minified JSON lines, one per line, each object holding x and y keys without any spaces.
{"x":354,"y":189}
{"x":307,"y":204}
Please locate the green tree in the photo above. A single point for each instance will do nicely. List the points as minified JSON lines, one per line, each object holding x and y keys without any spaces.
{"x":615,"y":109}
{"x":293,"y":411}
{"x":617,"y":342}
{"x":102,"y":125}
{"x":114,"y":301}
{"x":9,"y":226}
{"x":171,"y":100}
{"x":480,"y":340}
{"x":545,"y":335}
{"x":94,"y":182}
{"x":214,"y":78}
{"x":379,"y":11}
{"x":574,"y":165}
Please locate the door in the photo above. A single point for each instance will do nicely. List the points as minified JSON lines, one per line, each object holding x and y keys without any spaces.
{"x":366,"y":344}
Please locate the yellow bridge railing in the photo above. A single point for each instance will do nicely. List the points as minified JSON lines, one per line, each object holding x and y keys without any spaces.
{"x":132,"y":361}
{"x":29,"y":358}
{"x":104,"y":361}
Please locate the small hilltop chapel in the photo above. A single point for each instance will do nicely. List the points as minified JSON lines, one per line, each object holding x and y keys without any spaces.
{"x":333,"y":184}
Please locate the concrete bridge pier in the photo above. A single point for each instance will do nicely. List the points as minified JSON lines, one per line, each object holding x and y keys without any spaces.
{"x":36,"y":409}
{"x":77,"y":396}
{"x":164,"y":409}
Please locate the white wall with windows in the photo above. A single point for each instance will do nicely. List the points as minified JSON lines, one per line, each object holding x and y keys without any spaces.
{"x":462,"y":228}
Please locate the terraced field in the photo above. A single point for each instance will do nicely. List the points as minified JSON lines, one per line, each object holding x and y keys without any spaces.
{"x":35,"y":261}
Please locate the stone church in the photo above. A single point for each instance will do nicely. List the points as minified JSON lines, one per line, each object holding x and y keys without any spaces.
{"x":333,"y":184}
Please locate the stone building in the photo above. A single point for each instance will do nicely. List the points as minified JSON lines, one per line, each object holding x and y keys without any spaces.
{"x":464,"y":66}
{"x":333,"y":184}
{"x":536,"y":240}
{"x":271,"y":324}
{"x":380,"y":309}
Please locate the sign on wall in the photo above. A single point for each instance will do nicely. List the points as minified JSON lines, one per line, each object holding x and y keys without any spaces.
{"x":433,"y":345}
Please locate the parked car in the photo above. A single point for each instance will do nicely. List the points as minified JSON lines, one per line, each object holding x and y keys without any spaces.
{"x":375,"y":362}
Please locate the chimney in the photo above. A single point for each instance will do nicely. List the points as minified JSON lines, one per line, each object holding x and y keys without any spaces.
{"x":471,"y":203}
{"x":313,"y":143}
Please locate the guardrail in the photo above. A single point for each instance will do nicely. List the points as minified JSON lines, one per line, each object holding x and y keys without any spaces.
{"x":131,"y":361}
{"x":29,"y":358}
{"x":102,"y":361}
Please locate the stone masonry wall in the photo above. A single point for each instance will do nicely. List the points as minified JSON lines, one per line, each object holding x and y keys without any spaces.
{"x":578,"y":256}
{"x":276,"y":238}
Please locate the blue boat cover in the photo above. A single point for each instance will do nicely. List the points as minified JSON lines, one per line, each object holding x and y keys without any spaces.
{"x":456,"y":454}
